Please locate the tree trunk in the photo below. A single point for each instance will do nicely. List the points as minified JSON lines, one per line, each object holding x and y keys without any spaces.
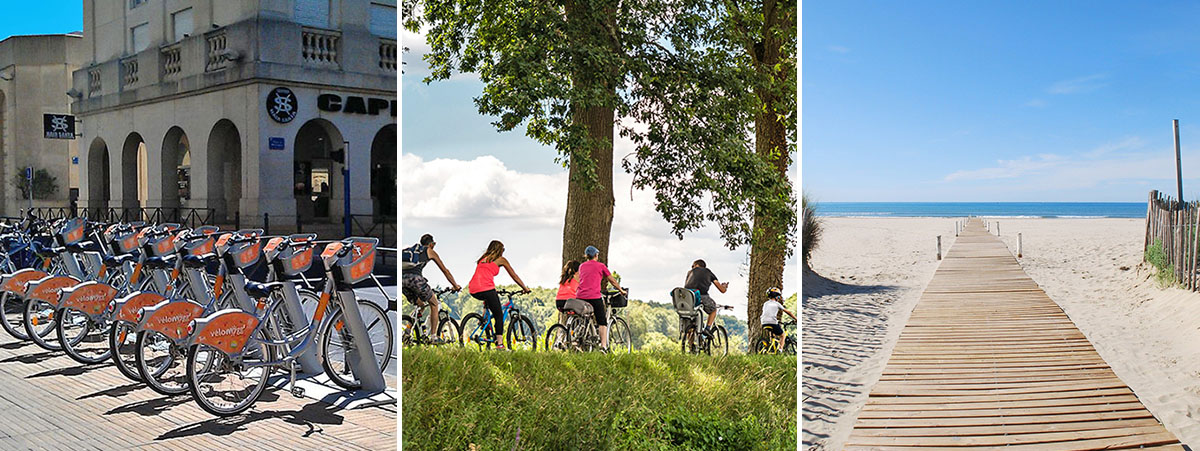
{"x":768,"y":250}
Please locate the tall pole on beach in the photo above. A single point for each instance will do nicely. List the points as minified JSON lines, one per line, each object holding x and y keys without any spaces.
{"x":1178,"y":165}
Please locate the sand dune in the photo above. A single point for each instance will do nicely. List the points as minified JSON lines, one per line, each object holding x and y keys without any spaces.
{"x":872,"y":272}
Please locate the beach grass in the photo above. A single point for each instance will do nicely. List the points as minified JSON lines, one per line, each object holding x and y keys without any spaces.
{"x":811,"y":228}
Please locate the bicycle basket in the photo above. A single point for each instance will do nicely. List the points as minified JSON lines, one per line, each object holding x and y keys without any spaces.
{"x":200,"y":247}
{"x":72,"y":231}
{"x":296,"y":258}
{"x":162,"y":245}
{"x":357,"y":265}
{"x":127,"y":243}
{"x":246,"y":253}
{"x":619,"y":301}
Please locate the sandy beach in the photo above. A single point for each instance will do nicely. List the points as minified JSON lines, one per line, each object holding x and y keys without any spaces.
{"x":869,"y":274}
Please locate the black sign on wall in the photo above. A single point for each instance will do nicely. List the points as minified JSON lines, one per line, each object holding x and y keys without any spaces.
{"x":355,"y":105}
{"x":58,"y":126}
{"x":282,"y":105}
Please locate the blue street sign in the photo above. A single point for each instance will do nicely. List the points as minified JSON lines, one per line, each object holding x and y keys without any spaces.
{"x":275,"y":143}
{"x":29,"y":173}
{"x":74,"y":160}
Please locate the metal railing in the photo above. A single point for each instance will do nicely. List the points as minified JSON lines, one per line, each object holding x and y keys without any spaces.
{"x":191,"y":217}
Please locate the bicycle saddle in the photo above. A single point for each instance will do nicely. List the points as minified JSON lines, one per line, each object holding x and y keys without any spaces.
{"x":117,"y":260}
{"x":160,"y":262}
{"x":262,"y":290}
{"x":198,"y":261}
{"x":82,"y":246}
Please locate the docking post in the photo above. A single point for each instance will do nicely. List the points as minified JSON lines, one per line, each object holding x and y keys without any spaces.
{"x":939,"y":241}
{"x":1018,"y":244}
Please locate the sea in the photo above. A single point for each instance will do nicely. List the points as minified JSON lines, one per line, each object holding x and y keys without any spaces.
{"x":982,"y":209}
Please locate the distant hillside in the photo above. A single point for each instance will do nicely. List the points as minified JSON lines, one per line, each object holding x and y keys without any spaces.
{"x":654,"y":326}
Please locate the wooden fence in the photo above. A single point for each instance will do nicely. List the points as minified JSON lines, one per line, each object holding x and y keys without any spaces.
{"x":1174,"y":225}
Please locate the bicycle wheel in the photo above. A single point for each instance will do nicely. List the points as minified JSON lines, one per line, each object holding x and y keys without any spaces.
{"x":160,"y":363}
{"x":474,"y":331}
{"x":558,"y":339}
{"x":39,"y":322}
{"x":408,"y":331}
{"x":521,"y":334}
{"x":225,"y":386}
{"x":14,"y":313}
{"x":720,"y":342}
{"x":83,"y":339}
{"x":619,"y":340}
{"x":687,"y":343}
{"x":789,"y":346}
{"x":448,"y":331}
{"x":336,"y":341}
{"x":122,"y":341}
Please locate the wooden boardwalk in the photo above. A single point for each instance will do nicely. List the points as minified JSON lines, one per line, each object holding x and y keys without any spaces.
{"x":988,"y":360}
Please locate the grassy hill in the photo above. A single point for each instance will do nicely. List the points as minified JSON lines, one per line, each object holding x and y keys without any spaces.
{"x":653,"y":326}
{"x":457,"y":398}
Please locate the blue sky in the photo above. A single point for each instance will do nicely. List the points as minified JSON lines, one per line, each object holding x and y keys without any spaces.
{"x":999,"y":101}
{"x":41,"y":17}
{"x":468,"y":184}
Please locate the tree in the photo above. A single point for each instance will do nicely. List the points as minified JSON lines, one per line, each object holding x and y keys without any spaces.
{"x":44,"y":184}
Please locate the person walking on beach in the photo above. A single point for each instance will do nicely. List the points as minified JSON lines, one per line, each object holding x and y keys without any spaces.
{"x":698,"y":279}
{"x":592,"y":273}
{"x":416,"y":287}
{"x":483,"y":285}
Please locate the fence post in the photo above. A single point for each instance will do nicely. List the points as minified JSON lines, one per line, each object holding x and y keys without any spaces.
{"x":237,"y":220}
{"x":997,"y":228}
{"x":1018,"y":244}
{"x":266,"y":223}
{"x":939,"y":244}
{"x":298,"y":227}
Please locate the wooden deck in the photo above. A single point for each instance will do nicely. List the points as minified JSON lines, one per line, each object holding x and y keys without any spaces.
{"x":988,"y":360}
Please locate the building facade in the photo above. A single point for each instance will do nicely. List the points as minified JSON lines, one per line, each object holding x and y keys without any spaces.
{"x":239,"y":109}
{"x":35,"y":75}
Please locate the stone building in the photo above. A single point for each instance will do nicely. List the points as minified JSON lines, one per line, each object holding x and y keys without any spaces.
{"x":35,"y":74}
{"x":214,"y":107}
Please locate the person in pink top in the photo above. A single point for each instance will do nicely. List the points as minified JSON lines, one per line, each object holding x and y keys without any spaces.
{"x":591,"y":274}
{"x":483,"y":285}
{"x":568,"y":284}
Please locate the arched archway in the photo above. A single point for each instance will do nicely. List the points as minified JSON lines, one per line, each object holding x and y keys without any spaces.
{"x":224,"y":168}
{"x":175,"y":177}
{"x":317,"y":177}
{"x":134,"y":175}
{"x":383,"y":172}
{"x":98,"y":177}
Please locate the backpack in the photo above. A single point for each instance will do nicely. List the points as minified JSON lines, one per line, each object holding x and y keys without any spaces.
{"x":410,"y":257}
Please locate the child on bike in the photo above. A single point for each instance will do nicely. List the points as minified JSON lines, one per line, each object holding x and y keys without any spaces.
{"x":483,"y":285}
{"x":770,"y":315}
{"x":592,"y":273}
{"x":698,"y":279}
{"x":416,"y":287}
{"x":568,"y":285}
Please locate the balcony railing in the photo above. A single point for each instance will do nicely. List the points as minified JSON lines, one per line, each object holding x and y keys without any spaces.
{"x":387,"y":54}
{"x":171,"y":61}
{"x":94,"y":82}
{"x":217,"y":43}
{"x":320,"y":47}
{"x":129,"y":71}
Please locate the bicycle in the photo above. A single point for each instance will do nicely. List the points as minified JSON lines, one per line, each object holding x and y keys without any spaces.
{"x":767,"y":344}
{"x":691,"y":339}
{"x":580,"y":333}
{"x":414,"y":328}
{"x":232,"y":353}
{"x":477,"y":329}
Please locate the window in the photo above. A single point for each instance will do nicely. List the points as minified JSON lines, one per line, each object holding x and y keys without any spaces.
{"x":140,"y":37}
{"x":313,"y":13}
{"x":383,"y":20}
{"x":181,"y":24}
{"x":136,"y":3}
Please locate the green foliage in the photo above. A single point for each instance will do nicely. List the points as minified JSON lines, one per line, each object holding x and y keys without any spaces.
{"x":652,"y":326}
{"x":1164,"y":273}
{"x":44,"y":184}
{"x":810,"y":231}
{"x":456,"y":397}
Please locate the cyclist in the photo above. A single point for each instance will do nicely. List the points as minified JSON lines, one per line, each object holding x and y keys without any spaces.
{"x":568,"y":285}
{"x":483,"y":284}
{"x":698,"y":280}
{"x":416,"y":286}
{"x":591,"y":275}
{"x":770,"y":315}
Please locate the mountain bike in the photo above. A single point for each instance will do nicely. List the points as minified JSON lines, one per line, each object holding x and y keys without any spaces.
{"x":694,"y":341}
{"x":580,"y":333}
{"x":478,"y":329}
{"x":233,"y":353}
{"x":414,"y":328}
{"x":767,"y":344}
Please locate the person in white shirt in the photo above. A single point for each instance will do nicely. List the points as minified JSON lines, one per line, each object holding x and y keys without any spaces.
{"x":770,"y":315}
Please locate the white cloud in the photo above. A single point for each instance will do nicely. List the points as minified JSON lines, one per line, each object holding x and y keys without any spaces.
{"x":1036,"y":103}
{"x":838,"y":49}
{"x":1079,"y":85}
{"x":1123,"y":160}
{"x":466,"y":204}
{"x":1008,"y":168}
